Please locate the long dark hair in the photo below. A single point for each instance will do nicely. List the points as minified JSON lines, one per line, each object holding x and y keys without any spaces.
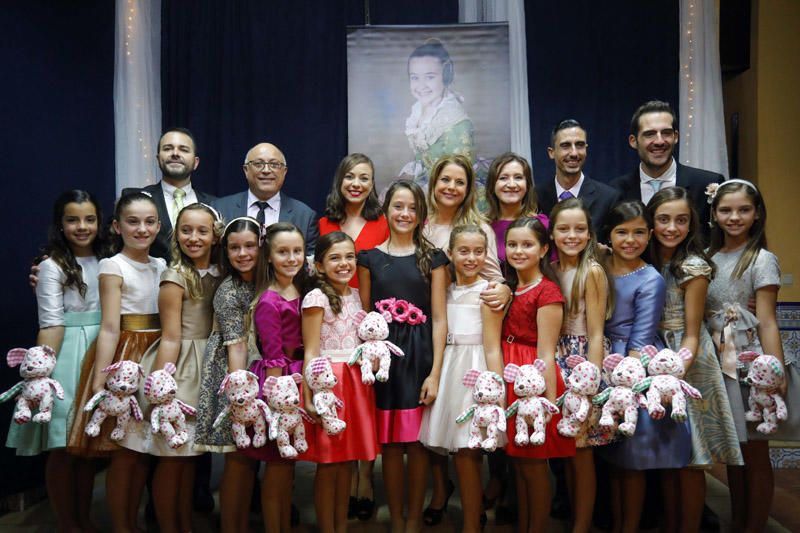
{"x":124,"y":201}
{"x":58,"y":247}
{"x":625,"y":212}
{"x":540,"y":232}
{"x":758,"y":231}
{"x":334,"y":205}
{"x":325,"y":243}
{"x":237,"y":225}
{"x":691,"y":245}
{"x":423,"y":247}
{"x":265,"y":273}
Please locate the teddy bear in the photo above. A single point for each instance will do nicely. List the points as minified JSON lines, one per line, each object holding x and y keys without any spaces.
{"x":583,"y":382}
{"x":34,"y":391}
{"x":531,"y":408}
{"x":321,"y":379}
{"x":488,"y":417}
{"x":244,"y":409}
{"x":765,"y":376}
{"x":373,"y":330}
{"x":117,"y":399}
{"x":620,"y":400}
{"x":167,"y":416}
{"x":283,"y":398}
{"x":664,"y":384}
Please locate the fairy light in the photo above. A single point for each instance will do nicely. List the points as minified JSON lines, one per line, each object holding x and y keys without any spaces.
{"x":687,"y":70}
{"x":133,"y":31}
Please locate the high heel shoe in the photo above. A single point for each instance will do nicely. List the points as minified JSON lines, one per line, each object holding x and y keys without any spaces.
{"x":433,"y":517}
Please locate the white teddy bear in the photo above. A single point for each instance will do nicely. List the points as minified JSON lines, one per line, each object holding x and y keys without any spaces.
{"x":765,"y":377}
{"x":583,"y":382}
{"x":488,"y":417}
{"x":321,"y":379}
{"x":664,"y":384}
{"x":283,"y":397}
{"x":532,"y":410}
{"x":620,"y":400}
{"x":117,"y":399}
{"x":167,"y":416}
{"x":36,"y":365}
{"x":373,"y":330}
{"x":244,"y":409}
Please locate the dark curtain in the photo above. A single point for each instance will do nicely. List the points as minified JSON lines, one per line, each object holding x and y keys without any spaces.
{"x":597,"y":62}
{"x":238,"y":73}
{"x":57,"y":133}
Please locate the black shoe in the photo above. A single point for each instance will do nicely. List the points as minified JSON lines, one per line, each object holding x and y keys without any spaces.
{"x":505,"y":515}
{"x":365,"y":508}
{"x":294,"y":517}
{"x":203,"y":501}
{"x":433,"y":517}
{"x":352,"y":507}
{"x":484,"y":519}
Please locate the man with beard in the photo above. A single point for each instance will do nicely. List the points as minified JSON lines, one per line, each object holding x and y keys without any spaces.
{"x":177,"y":159}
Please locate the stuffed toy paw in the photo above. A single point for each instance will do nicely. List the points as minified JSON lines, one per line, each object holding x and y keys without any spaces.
{"x":37,"y":388}
{"x":488,"y":417}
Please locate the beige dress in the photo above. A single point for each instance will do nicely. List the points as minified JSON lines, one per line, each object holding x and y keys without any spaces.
{"x":196,"y":322}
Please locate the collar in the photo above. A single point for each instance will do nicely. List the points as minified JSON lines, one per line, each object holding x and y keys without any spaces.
{"x":170,"y":189}
{"x":574,"y":190}
{"x":670,"y":175}
{"x":212,"y":270}
{"x":274,"y":202}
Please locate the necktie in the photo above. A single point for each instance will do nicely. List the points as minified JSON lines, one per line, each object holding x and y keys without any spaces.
{"x":566,"y":195}
{"x":177,"y":204}
{"x":262,"y":206}
{"x":656,"y":185}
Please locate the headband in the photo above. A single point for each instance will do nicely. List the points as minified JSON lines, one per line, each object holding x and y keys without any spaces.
{"x":217,"y":216}
{"x":249,"y":219}
{"x":712,"y":188}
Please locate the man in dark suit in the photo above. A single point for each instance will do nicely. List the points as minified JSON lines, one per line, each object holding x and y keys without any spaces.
{"x":568,"y":149}
{"x":265,"y":171}
{"x":654,"y":137}
{"x":177,"y":159}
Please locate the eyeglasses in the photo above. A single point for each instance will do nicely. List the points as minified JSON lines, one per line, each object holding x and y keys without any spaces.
{"x":260,"y":165}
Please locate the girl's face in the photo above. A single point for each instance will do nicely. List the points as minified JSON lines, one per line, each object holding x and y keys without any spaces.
{"x":510,"y":187}
{"x":426,"y":80}
{"x":339,"y":264}
{"x":671,"y":223}
{"x":287,"y":253}
{"x":196,"y":235}
{"x":79,"y":226}
{"x":571,"y":232}
{"x":468,"y":254}
{"x":629,"y":239}
{"x":523,"y":249}
{"x":242,"y":249}
{"x":138,"y":225}
{"x":357,"y":183}
{"x":451,"y":187}
{"x":402,"y":212}
{"x":735,"y":214}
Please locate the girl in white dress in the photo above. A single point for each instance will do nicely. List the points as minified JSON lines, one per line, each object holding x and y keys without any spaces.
{"x":473,"y":343}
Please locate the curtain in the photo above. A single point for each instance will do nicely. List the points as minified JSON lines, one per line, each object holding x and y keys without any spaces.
{"x":137,"y":91}
{"x":702,"y":118}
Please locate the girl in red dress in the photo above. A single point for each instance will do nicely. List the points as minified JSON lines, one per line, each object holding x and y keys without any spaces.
{"x":531,"y":331}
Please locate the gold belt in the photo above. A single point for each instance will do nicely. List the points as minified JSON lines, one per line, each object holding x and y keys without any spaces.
{"x":135,"y":322}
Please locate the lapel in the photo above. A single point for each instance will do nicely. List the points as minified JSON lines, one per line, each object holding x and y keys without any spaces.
{"x":587,"y":194}
{"x":157,"y":193}
{"x":285,"y":214}
{"x":680,"y":176}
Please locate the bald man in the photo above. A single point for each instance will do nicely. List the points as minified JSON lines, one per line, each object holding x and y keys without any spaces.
{"x":265,"y":171}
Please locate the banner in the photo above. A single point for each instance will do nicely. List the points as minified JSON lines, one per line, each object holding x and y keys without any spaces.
{"x":416,"y":93}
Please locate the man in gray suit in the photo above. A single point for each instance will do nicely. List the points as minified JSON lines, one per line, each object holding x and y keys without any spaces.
{"x":265,"y":171}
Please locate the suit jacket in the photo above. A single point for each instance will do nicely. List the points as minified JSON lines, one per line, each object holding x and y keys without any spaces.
{"x":292,"y":210}
{"x":598,"y":198}
{"x":161,"y":246}
{"x":692,"y":179}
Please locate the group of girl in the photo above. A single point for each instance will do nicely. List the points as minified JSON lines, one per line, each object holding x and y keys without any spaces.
{"x":237,"y":296}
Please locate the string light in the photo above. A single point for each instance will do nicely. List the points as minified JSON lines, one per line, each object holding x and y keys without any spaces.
{"x":688,"y":74}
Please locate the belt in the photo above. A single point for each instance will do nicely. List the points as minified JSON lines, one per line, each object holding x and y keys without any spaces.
{"x":136,"y":322}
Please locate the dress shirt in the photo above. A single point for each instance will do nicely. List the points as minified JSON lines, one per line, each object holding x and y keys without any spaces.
{"x":668,"y":179}
{"x":270,"y":213}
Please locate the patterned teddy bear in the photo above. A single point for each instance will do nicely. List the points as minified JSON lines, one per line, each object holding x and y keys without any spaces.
{"x":244,"y":409}
{"x":283,"y":397}
{"x":373,"y":330}
{"x":117,"y":399}
{"x":583,"y":382}
{"x":531,"y":408}
{"x":488,"y":417}
{"x":664,"y":384}
{"x":765,"y":377}
{"x":36,"y":365}
{"x":620,"y":400}
{"x":321,"y":379}
{"x":167,"y":416}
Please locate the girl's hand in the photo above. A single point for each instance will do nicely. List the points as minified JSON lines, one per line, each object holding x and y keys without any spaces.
{"x":430,"y":388}
{"x":312,"y":412}
{"x":496,"y":295}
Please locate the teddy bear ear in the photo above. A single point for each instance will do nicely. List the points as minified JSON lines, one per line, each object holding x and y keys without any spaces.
{"x":170,"y":368}
{"x":471,"y":377}
{"x":539,"y":365}
{"x":221,"y":385}
{"x":15,"y":356}
{"x":611,"y":362}
{"x":317,"y":366}
{"x":685,"y":354}
{"x":48,"y":350}
{"x":649,"y":350}
{"x":748,"y":357}
{"x":575,"y":360}
{"x":298,"y":378}
{"x":148,"y":384}
{"x":387,"y":316}
{"x":269,"y":385}
{"x":359,"y":317}
{"x":112,"y":368}
{"x":510,"y":372}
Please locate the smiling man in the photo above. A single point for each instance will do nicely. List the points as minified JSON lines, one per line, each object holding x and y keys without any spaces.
{"x":265,"y":171}
{"x":654,"y":137}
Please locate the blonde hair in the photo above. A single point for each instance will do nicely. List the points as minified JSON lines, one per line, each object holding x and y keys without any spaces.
{"x":181,"y":263}
{"x":467,"y":212}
